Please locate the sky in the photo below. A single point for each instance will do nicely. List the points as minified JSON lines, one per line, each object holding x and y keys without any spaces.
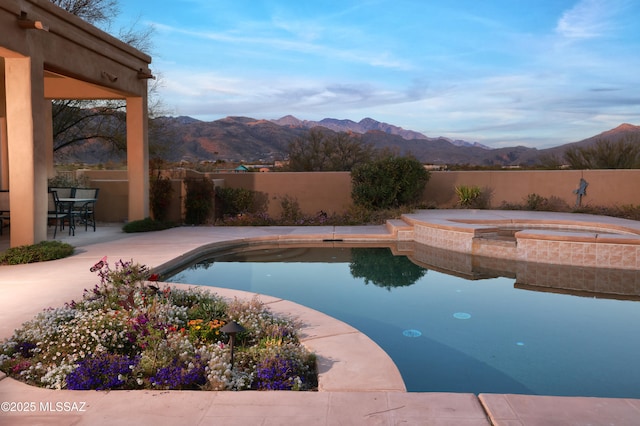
{"x":538,"y":73}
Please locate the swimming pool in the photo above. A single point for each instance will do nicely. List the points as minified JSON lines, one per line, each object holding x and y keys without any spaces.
{"x":446,"y":333}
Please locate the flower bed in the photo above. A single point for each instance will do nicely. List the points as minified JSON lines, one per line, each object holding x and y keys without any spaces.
{"x":128,"y":334}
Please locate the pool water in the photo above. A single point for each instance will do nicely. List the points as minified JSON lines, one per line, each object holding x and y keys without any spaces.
{"x":446,"y":333}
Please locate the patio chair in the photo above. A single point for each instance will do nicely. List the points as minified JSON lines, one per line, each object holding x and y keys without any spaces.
{"x":63,"y":191}
{"x":84,"y":208}
{"x":57,"y":213}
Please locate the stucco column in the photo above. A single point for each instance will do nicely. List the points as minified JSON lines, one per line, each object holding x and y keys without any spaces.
{"x":4,"y":150}
{"x":25,"y":106}
{"x":137,"y":158}
{"x":51,"y":171}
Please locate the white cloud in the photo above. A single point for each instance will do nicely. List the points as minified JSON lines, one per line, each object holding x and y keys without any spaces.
{"x":587,"y":19}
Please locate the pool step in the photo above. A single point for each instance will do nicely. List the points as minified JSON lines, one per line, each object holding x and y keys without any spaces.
{"x":495,"y":244}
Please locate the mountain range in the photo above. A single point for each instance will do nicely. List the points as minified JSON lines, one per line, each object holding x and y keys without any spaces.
{"x":254,"y":140}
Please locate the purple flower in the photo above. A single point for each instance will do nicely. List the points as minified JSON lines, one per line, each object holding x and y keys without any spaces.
{"x":275,"y":373}
{"x":179,"y":376}
{"x":101,"y":371}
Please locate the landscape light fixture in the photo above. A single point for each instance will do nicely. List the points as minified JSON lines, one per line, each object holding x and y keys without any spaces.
{"x":232,"y":328}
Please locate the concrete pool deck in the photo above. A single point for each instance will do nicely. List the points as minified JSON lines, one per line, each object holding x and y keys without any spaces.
{"x":358,"y":382}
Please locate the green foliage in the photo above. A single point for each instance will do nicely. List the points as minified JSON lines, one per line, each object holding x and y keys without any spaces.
{"x":605,"y":154}
{"x":381,"y":268}
{"x":160,"y":192}
{"x":473,"y":197}
{"x":290,"y":209}
{"x":236,"y":201}
{"x":467,"y":195}
{"x":41,"y":252}
{"x":540,"y":203}
{"x":147,"y":225}
{"x":323,"y":151}
{"x":388,"y":182}
{"x":198,"y":202}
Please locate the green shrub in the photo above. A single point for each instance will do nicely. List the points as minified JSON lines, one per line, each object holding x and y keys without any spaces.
{"x":467,"y":195}
{"x":160,"y":192}
{"x":290,"y":209}
{"x":147,"y":225}
{"x":539,"y":203}
{"x":535,"y":202}
{"x":41,"y":252}
{"x":235,"y":201}
{"x":198,"y":202}
{"x":388,"y":182}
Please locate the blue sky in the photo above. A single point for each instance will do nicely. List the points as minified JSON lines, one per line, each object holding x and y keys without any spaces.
{"x":500,"y":72}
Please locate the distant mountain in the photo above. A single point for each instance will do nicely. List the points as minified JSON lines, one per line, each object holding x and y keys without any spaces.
{"x":252,"y":140}
{"x":365,"y":125}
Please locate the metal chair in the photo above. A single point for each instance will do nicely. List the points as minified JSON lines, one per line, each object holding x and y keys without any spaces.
{"x":84,"y":207}
{"x":58,"y":213}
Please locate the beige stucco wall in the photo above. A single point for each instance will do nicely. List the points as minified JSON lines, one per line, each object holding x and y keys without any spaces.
{"x":606,"y":187}
{"x":327,"y":191}
{"x":331,"y":191}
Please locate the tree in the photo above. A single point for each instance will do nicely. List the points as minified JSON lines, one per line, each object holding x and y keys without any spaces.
{"x":79,"y":121}
{"x":390,"y":181}
{"x":322,"y":150}
{"x":95,"y":12}
{"x":605,"y":154}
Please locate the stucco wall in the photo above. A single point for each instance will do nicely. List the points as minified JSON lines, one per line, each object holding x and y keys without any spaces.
{"x":327,"y":191}
{"x":606,"y":187}
{"x":331,"y":191}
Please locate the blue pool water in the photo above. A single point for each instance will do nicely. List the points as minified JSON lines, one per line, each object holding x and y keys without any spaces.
{"x":446,"y":333}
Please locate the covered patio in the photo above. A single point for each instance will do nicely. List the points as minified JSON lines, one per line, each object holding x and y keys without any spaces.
{"x":47,"y":53}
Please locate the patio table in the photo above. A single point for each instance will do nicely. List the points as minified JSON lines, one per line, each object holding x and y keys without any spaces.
{"x":70,"y":203}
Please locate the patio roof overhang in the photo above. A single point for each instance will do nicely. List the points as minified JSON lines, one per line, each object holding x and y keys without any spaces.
{"x":47,"y":53}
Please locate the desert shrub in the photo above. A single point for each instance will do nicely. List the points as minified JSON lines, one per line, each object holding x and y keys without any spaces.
{"x":235,"y":201}
{"x":388,"y":182}
{"x":535,"y":202}
{"x":160,"y":192}
{"x":198,"y":201}
{"x":40,"y":252}
{"x":290,"y":209}
{"x":468,"y":196}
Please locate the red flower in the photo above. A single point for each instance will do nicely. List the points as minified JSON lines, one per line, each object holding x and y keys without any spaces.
{"x":154,"y":277}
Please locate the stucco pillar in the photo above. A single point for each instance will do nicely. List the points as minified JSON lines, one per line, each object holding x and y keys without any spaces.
{"x":24,"y":83}
{"x":4,"y":149}
{"x":137,"y":158}
{"x":48,"y":125}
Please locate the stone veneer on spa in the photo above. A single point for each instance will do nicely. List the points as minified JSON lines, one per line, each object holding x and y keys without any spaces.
{"x":561,"y":239}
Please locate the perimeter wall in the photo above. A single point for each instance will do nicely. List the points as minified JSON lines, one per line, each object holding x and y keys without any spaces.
{"x":331,"y":191}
